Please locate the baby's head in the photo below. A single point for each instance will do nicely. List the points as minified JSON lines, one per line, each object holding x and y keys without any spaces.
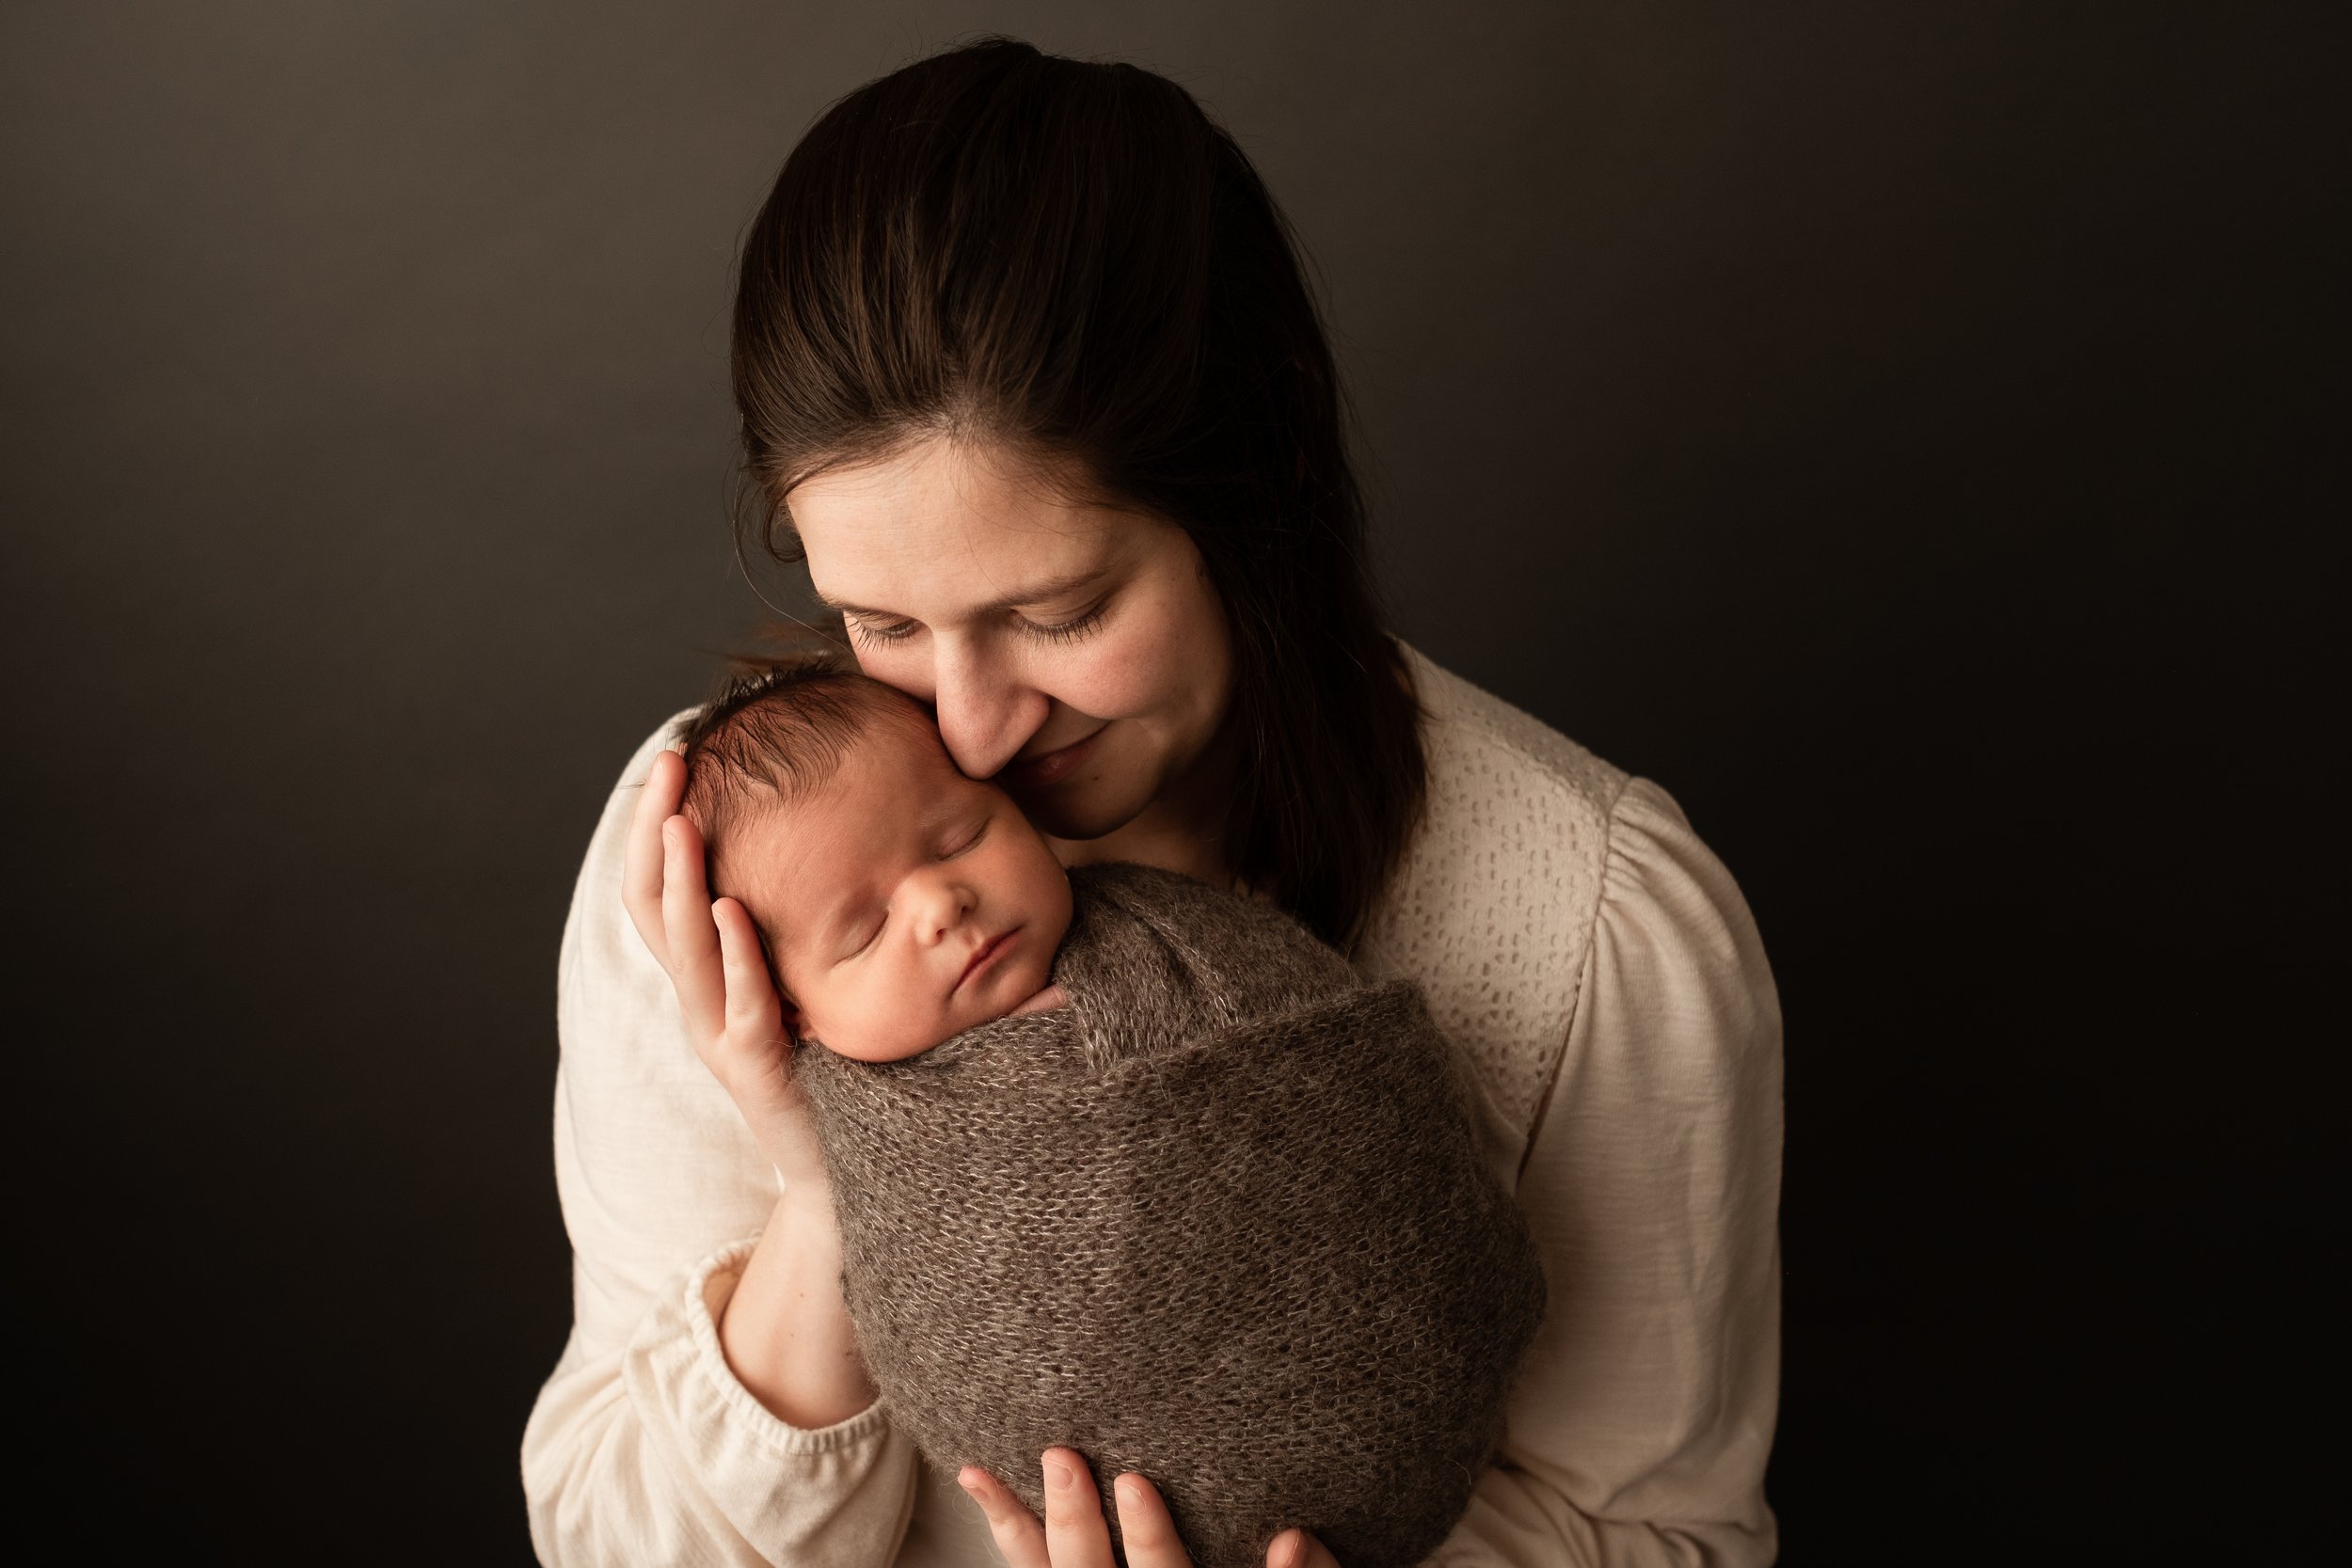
{"x":899,"y":902}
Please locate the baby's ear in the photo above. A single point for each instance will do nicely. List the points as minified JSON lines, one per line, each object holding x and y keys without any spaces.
{"x":795,"y":1021}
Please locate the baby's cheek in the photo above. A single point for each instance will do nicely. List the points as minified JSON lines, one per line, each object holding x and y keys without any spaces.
{"x":1040,"y":973}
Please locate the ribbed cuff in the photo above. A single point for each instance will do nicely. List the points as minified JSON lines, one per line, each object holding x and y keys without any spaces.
{"x":707,"y":1288}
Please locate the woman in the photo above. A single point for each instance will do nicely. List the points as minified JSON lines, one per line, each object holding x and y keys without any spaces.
{"x":1028,"y":373}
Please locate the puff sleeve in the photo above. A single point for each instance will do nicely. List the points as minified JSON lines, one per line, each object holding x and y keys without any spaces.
{"x":643,"y":1448}
{"x":1643,"y":1415}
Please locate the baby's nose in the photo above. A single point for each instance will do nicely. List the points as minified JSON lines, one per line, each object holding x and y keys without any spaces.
{"x":946,"y":902}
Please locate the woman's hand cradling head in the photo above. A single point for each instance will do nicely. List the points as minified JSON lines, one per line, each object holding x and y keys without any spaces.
{"x":725,"y":992}
{"x":1073,"y":1534}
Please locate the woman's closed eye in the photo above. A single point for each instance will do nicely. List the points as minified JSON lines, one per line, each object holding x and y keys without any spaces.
{"x":1068,"y":630}
{"x":875,"y":633}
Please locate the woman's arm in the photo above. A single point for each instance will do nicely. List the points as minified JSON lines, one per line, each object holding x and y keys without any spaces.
{"x":786,"y":1330}
{"x":646,"y":1444}
{"x":1644,"y":1415}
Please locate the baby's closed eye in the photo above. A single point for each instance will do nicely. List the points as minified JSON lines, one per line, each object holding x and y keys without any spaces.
{"x":865,"y":943}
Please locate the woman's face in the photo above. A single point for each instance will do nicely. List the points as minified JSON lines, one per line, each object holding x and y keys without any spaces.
{"x":1076,"y":654}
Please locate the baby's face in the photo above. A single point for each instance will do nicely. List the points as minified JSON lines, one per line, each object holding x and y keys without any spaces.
{"x":906,"y":902}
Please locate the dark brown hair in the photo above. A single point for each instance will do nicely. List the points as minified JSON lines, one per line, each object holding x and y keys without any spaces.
{"x":773,"y":735}
{"x":1070,"y":260}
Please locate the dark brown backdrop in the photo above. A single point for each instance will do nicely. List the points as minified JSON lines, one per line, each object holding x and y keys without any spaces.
{"x":1890,"y":426}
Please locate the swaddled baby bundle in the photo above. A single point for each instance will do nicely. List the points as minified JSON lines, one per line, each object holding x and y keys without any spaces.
{"x":1222,"y":1220}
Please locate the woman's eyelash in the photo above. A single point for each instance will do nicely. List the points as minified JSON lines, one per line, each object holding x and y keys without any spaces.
{"x":1066,"y":631}
{"x":864,"y":632}
{"x":1063,"y":631}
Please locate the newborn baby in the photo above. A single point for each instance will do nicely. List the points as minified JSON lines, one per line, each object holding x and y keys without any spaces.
{"x":1123,"y":1162}
{"x":900,"y":903}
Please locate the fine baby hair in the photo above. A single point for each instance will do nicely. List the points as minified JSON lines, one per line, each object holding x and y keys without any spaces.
{"x":777,"y":732}
{"x":772,"y":736}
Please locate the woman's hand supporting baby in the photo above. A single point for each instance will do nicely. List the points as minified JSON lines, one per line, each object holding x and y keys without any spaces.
{"x":1073,"y":1535}
{"x":712,"y":954}
{"x":786,"y":1330}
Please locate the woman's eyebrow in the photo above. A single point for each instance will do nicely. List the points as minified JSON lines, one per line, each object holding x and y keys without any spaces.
{"x":1050,"y":588}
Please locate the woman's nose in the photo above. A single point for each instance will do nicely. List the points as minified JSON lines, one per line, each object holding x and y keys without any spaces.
{"x":985,"y":714}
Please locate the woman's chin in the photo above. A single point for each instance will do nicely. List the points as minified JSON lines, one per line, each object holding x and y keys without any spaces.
{"x":1079,"y":813}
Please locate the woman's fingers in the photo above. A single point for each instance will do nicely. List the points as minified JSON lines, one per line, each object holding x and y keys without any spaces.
{"x":641,"y":869}
{"x":1295,"y":1548}
{"x":1075,"y":1535}
{"x":754,"y":1013}
{"x":754,"y":1057}
{"x":1020,"y":1539}
{"x":696,"y":965}
{"x":1145,"y":1528}
{"x":755,"y":1040}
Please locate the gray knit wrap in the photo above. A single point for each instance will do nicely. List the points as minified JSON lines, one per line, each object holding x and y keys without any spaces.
{"x":1222,"y":1220}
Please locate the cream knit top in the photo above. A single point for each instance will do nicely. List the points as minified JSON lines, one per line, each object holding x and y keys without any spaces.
{"x":1580,"y":946}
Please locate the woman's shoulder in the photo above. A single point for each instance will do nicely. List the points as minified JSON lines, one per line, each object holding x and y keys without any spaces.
{"x":1480,"y":744}
{"x":1493,"y":903}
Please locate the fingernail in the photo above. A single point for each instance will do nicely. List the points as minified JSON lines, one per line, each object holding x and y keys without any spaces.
{"x":1291,"y":1552}
{"x":1058,"y":1474}
{"x":1130,"y":1489}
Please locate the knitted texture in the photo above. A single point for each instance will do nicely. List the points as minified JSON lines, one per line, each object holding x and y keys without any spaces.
{"x":1494,"y":903}
{"x":1222,"y":1220}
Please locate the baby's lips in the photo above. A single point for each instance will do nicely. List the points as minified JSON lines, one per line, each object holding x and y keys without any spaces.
{"x":988,"y":955}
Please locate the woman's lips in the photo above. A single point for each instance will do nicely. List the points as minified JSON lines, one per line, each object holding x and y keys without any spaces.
{"x":995,"y":948}
{"x":1054,"y":767}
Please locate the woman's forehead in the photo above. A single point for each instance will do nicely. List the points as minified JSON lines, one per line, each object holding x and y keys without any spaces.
{"x":938,"y":529}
